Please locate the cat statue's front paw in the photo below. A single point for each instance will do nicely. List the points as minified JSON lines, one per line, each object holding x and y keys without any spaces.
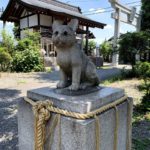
{"x":74,"y":87}
{"x":61,"y":85}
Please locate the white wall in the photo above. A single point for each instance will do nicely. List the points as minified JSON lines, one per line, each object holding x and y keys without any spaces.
{"x":23,"y":23}
{"x":33,"y":20}
{"x":45,"y":20}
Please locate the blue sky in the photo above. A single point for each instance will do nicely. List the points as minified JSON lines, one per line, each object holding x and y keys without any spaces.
{"x":104,"y":17}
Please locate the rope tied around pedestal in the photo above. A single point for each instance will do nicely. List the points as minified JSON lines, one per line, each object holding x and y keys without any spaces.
{"x":42,"y":115}
{"x":43,"y":109}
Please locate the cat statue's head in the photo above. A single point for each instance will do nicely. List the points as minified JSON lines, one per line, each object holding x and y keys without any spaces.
{"x":64,"y":36}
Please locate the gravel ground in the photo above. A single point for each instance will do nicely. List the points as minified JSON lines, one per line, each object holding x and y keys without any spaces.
{"x":13,"y":87}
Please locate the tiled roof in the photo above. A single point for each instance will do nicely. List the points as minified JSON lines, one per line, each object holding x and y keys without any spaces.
{"x":50,"y":7}
{"x":62,"y":5}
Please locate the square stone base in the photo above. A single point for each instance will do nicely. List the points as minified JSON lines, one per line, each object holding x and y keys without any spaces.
{"x":74,"y":134}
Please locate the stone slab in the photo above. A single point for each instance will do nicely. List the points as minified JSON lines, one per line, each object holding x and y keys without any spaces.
{"x":83,"y":103}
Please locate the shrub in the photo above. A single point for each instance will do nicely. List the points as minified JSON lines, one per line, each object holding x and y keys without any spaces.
{"x":5,"y":59}
{"x":142,"y":69}
{"x":26,"y":61}
{"x":26,"y":57}
{"x":23,"y":44}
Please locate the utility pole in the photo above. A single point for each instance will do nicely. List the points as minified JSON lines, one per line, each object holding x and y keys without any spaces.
{"x":132,"y":18}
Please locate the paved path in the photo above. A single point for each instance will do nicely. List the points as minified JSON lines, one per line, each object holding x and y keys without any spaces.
{"x":14,"y":86}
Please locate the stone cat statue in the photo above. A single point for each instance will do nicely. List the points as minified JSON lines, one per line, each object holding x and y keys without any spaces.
{"x":76,"y":69}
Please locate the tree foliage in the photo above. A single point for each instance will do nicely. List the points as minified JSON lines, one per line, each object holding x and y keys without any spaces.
{"x":27,"y":60}
{"x":91,"y":46}
{"x":7,"y":41}
{"x":106,"y":50}
{"x":24,"y":57}
{"x":145,"y":25}
{"x":142,"y":69}
{"x":27,"y":54}
{"x":132,"y":44}
{"x":5,"y":59}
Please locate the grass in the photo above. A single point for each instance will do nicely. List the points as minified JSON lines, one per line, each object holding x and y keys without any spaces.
{"x":48,"y":69}
{"x":139,"y":144}
{"x":112,"y":80}
{"x":104,"y":67}
{"x":140,"y":116}
{"x":22,"y":82}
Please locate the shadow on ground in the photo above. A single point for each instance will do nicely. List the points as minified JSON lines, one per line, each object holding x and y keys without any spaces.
{"x":103,"y":74}
{"x":109,"y":73}
{"x":8,"y":119}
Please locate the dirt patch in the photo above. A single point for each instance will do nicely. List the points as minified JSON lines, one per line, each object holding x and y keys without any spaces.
{"x":131,"y":88}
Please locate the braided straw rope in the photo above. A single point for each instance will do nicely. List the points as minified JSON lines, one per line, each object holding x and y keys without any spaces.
{"x":129,"y":125}
{"x":42,"y":115}
{"x":67,"y":113}
{"x":116,"y":129}
{"x":42,"y":110}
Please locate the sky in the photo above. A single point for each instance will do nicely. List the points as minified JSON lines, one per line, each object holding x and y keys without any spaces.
{"x":102,"y":15}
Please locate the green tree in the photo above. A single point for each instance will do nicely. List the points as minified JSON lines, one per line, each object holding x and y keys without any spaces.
{"x":132,"y":44}
{"x":106,"y":50}
{"x":7,"y":41}
{"x":145,"y":25}
{"x":91,"y":46}
{"x":5,"y":59}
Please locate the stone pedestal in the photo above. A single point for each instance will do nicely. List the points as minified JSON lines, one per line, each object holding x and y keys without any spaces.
{"x":78,"y":134}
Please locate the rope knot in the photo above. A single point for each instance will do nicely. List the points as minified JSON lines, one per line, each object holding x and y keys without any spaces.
{"x":40,"y":109}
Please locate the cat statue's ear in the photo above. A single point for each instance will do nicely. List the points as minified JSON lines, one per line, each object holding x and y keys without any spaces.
{"x":56,"y":24}
{"x":73,"y":24}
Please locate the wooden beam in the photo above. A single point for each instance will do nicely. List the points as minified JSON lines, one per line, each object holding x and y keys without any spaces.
{"x":13,"y":18}
{"x":38,"y":19}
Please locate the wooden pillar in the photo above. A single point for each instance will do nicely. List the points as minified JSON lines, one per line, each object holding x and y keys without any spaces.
{"x":4,"y":24}
{"x":28,"y":20}
{"x":47,"y":49}
{"x":87,"y":40}
{"x":38,"y":19}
